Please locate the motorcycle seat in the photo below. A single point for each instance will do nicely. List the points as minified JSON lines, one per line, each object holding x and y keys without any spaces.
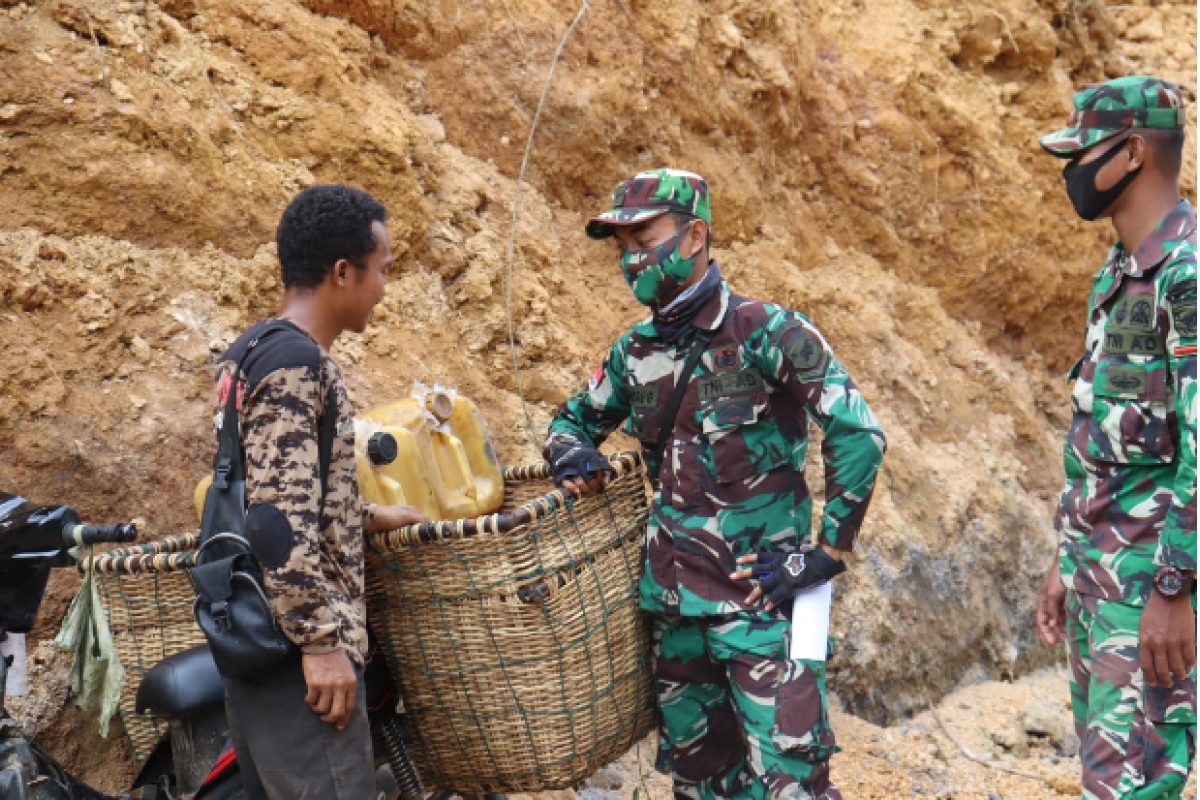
{"x":181,"y":685}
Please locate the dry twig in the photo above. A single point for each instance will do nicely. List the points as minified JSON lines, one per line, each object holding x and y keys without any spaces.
{"x":512,"y":234}
{"x":99,"y":51}
{"x":937,"y":169}
{"x":516,"y":29}
{"x":1004,"y":21}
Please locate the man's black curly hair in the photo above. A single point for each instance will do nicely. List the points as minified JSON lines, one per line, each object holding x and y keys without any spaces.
{"x":322,"y":225}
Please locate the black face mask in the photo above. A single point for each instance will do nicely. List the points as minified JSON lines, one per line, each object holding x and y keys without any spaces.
{"x":1089,"y":201}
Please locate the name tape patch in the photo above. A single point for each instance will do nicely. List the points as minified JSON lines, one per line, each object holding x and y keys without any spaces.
{"x":1125,"y":342}
{"x":746,"y":381}
{"x":644,"y":396}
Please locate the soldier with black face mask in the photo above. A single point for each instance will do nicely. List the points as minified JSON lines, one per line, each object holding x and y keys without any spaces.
{"x":1123,"y":593}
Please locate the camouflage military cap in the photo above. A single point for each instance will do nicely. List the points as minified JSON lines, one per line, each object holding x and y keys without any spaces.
{"x":651,"y":194}
{"x":1102,"y":110}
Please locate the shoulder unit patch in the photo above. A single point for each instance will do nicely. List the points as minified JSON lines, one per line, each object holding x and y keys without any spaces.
{"x":801,"y":347}
{"x":1182,"y":300}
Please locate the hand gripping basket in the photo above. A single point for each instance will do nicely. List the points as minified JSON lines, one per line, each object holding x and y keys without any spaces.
{"x":148,"y":596}
{"x":516,"y":639}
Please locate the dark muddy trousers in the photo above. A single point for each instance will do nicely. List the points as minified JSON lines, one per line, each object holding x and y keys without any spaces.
{"x":284,"y":750}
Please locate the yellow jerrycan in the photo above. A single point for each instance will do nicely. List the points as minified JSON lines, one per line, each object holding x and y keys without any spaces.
{"x":442,"y":461}
{"x":431,"y":451}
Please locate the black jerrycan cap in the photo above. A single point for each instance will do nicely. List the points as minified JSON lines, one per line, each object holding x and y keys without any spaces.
{"x":382,"y":449}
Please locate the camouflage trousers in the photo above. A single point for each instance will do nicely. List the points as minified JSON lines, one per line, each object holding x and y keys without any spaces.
{"x":1137,"y":742}
{"x":739,"y":719}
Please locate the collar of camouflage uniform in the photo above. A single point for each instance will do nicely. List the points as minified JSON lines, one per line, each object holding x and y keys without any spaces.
{"x":1160,"y":243}
{"x":709,"y":318}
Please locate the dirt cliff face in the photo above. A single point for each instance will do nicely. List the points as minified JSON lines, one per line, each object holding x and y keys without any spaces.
{"x":873,"y":165}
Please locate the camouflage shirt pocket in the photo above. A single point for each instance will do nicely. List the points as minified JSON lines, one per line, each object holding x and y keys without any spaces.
{"x":744,"y":438}
{"x":1130,"y":412}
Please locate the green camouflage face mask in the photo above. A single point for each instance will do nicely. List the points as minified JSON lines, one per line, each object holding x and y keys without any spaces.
{"x":656,"y":275}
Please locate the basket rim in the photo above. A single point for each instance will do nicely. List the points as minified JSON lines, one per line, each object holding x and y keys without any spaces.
{"x":624,"y":463}
{"x":175,"y":553}
{"x":161,"y":555}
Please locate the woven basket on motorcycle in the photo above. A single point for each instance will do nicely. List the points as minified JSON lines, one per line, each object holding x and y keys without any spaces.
{"x":523,"y":661}
{"x":147,"y":595}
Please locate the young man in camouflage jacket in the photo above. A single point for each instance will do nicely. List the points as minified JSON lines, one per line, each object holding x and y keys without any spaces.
{"x":300,"y":727}
{"x":1122,"y":595}
{"x":740,"y":718}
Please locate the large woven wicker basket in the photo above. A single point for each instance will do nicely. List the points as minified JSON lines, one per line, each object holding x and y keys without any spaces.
{"x":516,"y":637}
{"x":148,"y":597}
{"x":523,"y":661}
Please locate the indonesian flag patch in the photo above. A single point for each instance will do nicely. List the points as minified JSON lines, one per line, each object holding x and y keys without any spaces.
{"x":597,"y":379}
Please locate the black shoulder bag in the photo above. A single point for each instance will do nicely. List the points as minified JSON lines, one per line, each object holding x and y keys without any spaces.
{"x":231,"y":602}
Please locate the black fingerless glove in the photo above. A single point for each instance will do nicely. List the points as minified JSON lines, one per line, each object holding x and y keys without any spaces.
{"x":579,"y":462}
{"x":781,"y":575}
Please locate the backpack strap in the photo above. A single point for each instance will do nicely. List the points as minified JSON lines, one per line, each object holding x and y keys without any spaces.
{"x":666,"y":423}
{"x":326,"y":430}
{"x":229,"y":444}
{"x":230,"y":454}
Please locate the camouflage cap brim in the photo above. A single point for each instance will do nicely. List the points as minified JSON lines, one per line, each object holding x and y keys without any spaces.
{"x":601,"y":226}
{"x":1069,"y":141}
{"x":1104,"y":110}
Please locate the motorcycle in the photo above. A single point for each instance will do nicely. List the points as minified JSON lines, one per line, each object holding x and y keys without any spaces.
{"x":195,"y":759}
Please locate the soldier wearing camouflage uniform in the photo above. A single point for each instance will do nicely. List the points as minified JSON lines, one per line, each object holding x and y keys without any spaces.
{"x":300,"y":727}
{"x":1123,"y":593}
{"x":739,"y":717}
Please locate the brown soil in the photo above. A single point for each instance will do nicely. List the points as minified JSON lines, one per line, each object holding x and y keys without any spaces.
{"x":873,"y":164}
{"x":1021,"y":730}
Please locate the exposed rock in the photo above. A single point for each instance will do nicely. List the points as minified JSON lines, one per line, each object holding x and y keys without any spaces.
{"x":591,"y":793}
{"x":1011,"y":739}
{"x":610,"y":777}
{"x":1148,"y":30}
{"x":1049,"y":721}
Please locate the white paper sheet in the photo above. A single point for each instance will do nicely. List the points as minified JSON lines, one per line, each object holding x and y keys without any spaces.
{"x":810,"y":622}
{"x":17,"y":684}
